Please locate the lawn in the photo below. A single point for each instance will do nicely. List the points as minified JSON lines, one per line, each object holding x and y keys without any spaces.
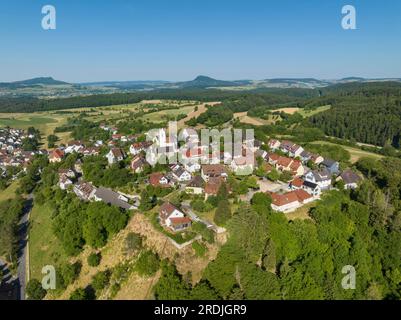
{"x":301,"y":213}
{"x":356,"y":153}
{"x":44,"y":247}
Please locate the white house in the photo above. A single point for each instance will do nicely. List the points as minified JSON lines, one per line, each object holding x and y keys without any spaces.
{"x":64,"y":182}
{"x":172,"y":218}
{"x":115,"y":155}
{"x":320,"y":177}
{"x":181,"y":175}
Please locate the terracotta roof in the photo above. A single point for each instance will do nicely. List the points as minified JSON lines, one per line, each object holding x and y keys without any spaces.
{"x":213,"y":185}
{"x":154,"y":178}
{"x":295,"y":165}
{"x":284,"y":161}
{"x":57,"y":153}
{"x":280,"y":200}
{"x":214,"y":169}
{"x":179,"y":221}
{"x":273,"y":157}
{"x":298,"y":182}
{"x":302,"y":195}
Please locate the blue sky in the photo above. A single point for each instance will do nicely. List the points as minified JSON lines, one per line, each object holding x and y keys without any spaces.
{"x":180,"y":39}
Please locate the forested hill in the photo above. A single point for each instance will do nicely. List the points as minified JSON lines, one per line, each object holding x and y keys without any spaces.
{"x":366,"y":112}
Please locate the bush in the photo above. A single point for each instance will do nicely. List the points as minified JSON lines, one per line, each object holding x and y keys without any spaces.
{"x":147,"y":264}
{"x":100,"y":280}
{"x":68,"y":273}
{"x":94,"y":259}
{"x":35,"y":290}
{"x":133,"y":241}
{"x":81,"y":294}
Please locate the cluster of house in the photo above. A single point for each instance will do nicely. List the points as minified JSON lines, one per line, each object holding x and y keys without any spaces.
{"x":205,"y":179}
{"x":307,"y":184}
{"x":79,"y":147}
{"x":11,"y":152}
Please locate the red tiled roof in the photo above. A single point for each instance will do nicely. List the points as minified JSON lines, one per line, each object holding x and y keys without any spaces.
{"x":213,"y":169}
{"x":155,"y":178}
{"x":274,"y":157}
{"x":179,"y":221}
{"x":282,"y":199}
{"x":295,"y":165}
{"x":57,"y":153}
{"x":302,"y":195}
{"x":284,"y":161}
{"x":297,"y":182}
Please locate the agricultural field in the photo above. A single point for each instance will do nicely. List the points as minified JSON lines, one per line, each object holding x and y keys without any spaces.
{"x":46,"y":122}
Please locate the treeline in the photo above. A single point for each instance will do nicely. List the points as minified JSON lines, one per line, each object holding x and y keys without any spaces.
{"x":237,"y":101}
{"x":10,"y":212}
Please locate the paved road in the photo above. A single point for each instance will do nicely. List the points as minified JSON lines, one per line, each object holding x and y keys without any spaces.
{"x":22,"y":246}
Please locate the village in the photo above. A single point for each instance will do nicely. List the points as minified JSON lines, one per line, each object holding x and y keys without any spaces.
{"x":199,"y":173}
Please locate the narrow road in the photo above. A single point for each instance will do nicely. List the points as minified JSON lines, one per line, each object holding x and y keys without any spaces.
{"x":23,"y":228}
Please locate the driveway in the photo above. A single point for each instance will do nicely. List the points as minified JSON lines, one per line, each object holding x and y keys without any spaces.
{"x":266,"y":185}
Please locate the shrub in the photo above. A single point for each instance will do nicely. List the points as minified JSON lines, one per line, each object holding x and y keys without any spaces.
{"x":133,"y":241}
{"x":35,"y":290}
{"x":147,"y":264}
{"x":94,"y":259}
{"x":100,"y":280}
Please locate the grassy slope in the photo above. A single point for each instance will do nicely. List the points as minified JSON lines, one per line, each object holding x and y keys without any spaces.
{"x":9,"y":192}
{"x":356,"y":154}
{"x":44,"y":247}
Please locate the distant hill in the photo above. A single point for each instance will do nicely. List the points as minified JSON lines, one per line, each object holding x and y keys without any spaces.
{"x":44,"y":81}
{"x":205,"y":82}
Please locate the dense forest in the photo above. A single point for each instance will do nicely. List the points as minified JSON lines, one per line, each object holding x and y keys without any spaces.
{"x":369,"y":113}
